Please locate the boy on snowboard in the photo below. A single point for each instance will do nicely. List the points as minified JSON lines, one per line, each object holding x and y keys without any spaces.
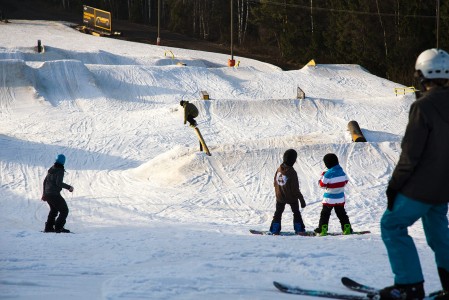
{"x":190,"y":112}
{"x":287,"y":191}
{"x":334,"y":181}
{"x":53,"y":184}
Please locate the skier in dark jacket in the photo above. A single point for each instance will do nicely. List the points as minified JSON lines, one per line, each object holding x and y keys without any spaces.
{"x":190,"y":112}
{"x":287,"y":191}
{"x":53,"y":184}
{"x":417,"y":189}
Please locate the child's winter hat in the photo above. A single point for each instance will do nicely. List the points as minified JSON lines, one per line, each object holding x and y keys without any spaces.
{"x":60,"y":159}
{"x":290,"y":157}
{"x":330,"y":160}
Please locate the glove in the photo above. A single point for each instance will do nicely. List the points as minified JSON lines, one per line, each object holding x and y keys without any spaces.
{"x":43,"y":198}
{"x":303,"y":203}
{"x":391,"y":195}
{"x":71,"y":189}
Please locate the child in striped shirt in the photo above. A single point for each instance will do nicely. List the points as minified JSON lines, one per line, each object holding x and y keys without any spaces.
{"x":333,"y":181}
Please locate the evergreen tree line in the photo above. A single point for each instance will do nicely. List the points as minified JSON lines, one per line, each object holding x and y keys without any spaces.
{"x":383,"y":36}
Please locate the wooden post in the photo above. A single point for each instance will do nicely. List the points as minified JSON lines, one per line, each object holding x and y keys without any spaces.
{"x":203,"y":143}
{"x":39,"y":46}
{"x":356,"y":132}
{"x":300,"y":93}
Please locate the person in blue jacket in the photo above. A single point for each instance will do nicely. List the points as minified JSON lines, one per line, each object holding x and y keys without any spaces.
{"x":53,"y":184}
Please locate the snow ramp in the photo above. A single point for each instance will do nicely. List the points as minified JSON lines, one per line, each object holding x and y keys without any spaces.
{"x":16,"y":88}
{"x":65,"y":80}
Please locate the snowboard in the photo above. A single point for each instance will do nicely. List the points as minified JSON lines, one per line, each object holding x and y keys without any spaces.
{"x":283,"y":233}
{"x":307,"y":233}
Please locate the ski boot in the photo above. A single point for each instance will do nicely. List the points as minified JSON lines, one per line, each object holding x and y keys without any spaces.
{"x":403,"y":292}
{"x":444,"y":278}
{"x":440,"y":295}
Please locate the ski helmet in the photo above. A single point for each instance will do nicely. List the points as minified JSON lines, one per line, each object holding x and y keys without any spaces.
{"x":433,"y":64}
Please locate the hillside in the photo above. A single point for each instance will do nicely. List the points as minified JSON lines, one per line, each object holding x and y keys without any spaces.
{"x":157,"y":219}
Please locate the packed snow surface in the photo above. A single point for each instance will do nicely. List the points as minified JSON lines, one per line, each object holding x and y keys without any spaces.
{"x":155,"y":218}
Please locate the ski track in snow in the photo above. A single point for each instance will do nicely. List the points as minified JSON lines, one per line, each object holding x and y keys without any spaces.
{"x":153,"y":217}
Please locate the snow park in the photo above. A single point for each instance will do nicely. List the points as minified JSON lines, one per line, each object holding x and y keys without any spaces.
{"x":154,"y":217}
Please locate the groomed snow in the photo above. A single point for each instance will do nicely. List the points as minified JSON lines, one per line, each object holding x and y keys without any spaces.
{"x":153,"y":217}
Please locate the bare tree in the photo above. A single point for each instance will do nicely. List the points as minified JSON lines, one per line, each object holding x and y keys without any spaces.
{"x":243,"y":19}
{"x":66,"y":4}
{"x":383,"y":28}
{"x":397,"y":21}
{"x":311,"y":16}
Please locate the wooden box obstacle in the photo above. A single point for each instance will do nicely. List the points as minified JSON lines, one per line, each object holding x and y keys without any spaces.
{"x":205,"y":95}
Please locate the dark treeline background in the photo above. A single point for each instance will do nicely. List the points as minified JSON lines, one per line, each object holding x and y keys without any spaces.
{"x":383,"y":36}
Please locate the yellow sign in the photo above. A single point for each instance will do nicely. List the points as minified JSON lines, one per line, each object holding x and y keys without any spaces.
{"x":405,"y":90}
{"x":96,"y":19}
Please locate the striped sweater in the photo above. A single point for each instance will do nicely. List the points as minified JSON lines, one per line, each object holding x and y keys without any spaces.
{"x":334,"y":181}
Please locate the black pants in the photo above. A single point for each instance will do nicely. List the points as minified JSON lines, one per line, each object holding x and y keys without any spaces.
{"x":57,"y":205}
{"x":191,"y":120}
{"x":326,"y":214}
{"x":280,"y":207}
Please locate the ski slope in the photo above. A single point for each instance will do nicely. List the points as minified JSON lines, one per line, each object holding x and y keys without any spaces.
{"x":153,"y":217}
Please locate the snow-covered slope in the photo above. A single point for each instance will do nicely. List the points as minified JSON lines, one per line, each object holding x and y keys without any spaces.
{"x":154,"y":217}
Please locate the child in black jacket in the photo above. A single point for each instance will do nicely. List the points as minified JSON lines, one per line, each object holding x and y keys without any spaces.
{"x":287,"y":191}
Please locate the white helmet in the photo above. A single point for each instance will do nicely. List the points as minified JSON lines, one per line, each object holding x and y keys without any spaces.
{"x":433,"y":64}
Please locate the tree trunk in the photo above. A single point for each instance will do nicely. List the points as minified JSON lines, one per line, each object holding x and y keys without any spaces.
{"x":384,"y":33}
{"x":243,"y":19}
{"x":311,"y":16}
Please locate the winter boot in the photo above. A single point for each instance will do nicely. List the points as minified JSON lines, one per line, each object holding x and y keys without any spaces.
{"x":49,"y":227}
{"x":403,"y":292}
{"x":275,"y":228}
{"x":62,"y":230}
{"x":299,"y":228}
{"x":347,"y":229}
{"x":323,"y":230}
{"x":444,"y":278}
